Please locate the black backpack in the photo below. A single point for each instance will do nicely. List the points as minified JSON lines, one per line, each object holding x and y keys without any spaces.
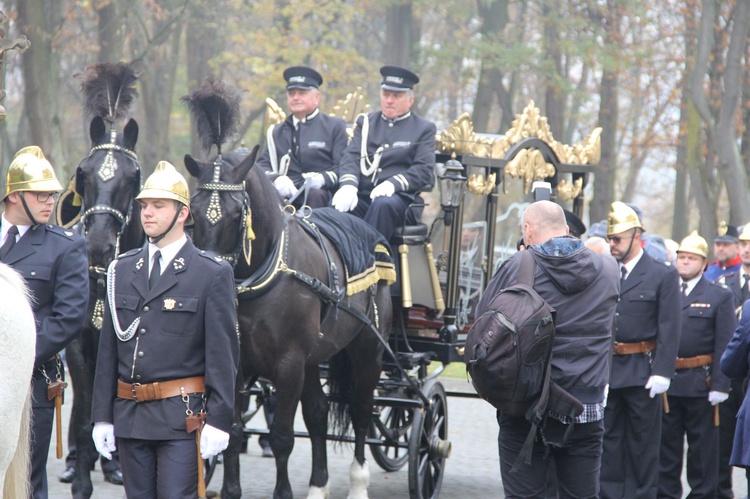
{"x":508,"y":354}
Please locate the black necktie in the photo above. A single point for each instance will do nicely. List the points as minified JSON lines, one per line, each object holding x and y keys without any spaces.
{"x":623,"y":273}
{"x":10,"y":241}
{"x":745,"y":289}
{"x":155,"y":271}
{"x":684,"y":289}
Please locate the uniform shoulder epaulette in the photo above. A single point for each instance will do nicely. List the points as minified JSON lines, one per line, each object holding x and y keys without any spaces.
{"x":210,"y":255}
{"x":132,"y":252}
{"x":718,"y":284}
{"x":61,"y":231}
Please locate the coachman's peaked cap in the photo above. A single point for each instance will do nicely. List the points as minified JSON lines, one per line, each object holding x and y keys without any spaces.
{"x":397,"y":79}
{"x":302,"y":77}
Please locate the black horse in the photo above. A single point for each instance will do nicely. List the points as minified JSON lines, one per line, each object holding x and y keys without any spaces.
{"x":106,"y":183}
{"x":286,"y":328}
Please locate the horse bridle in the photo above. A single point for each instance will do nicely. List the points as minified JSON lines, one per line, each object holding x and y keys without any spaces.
{"x":214,"y":213}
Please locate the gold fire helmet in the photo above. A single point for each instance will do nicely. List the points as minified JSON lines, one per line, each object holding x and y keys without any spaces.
{"x":621,"y":218}
{"x":30,"y":171}
{"x":694,"y":244}
{"x":745,"y":234}
{"x":167,"y":183}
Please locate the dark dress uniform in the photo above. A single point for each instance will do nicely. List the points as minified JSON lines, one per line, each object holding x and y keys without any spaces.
{"x":649,"y":310}
{"x":53,"y":262}
{"x":729,"y":409}
{"x":708,"y":322}
{"x":407,"y":161}
{"x":735,"y":363}
{"x":315,"y":146}
{"x":187,"y":328}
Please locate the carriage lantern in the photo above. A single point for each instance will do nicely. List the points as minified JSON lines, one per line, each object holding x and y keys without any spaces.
{"x":452,"y":186}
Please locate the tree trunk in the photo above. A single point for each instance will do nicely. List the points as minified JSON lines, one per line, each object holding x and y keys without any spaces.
{"x":494,"y":17}
{"x":554,"y":97}
{"x":111,"y":31}
{"x":399,"y":37}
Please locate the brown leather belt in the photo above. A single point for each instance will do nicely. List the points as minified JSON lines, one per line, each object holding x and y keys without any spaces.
{"x":631,"y":348}
{"x":690,"y":362}
{"x":160,"y":389}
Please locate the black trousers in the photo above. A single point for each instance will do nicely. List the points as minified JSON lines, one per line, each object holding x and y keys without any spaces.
{"x":694,"y":417}
{"x":386,"y":213}
{"x":632,"y":436}
{"x":727,"y":423}
{"x":159,"y":469}
{"x":41,"y":434}
{"x":576,"y":465}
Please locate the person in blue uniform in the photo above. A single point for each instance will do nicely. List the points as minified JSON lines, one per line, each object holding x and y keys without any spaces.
{"x":390,"y":159}
{"x":739,"y":283}
{"x":53,"y":262}
{"x":726,"y":252}
{"x":305,"y":149}
{"x":708,"y":322}
{"x":647,"y":336}
{"x":169,"y":351}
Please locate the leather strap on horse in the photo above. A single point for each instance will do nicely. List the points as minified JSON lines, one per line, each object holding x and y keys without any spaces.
{"x":161,"y":389}
{"x":691,"y":362}
{"x":632,"y":348}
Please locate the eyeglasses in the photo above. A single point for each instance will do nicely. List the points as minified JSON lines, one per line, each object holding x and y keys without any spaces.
{"x":43,"y":197}
{"x":618,"y":239}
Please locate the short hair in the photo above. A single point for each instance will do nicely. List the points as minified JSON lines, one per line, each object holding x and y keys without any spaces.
{"x":545,"y":217}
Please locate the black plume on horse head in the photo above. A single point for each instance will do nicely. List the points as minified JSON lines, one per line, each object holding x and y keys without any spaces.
{"x":215,"y":108}
{"x":109,"y":89}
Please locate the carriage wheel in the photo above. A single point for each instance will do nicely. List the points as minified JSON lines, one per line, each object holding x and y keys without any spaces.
{"x":392,"y":426}
{"x":209,"y":466}
{"x":428,"y":445}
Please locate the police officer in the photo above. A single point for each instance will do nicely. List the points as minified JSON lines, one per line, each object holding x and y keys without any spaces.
{"x":739,"y":283}
{"x":708,"y":322}
{"x":390,"y":158}
{"x":647,"y":335}
{"x":53,"y":262}
{"x":307,"y":146}
{"x":168,"y":349}
{"x":727,"y":253}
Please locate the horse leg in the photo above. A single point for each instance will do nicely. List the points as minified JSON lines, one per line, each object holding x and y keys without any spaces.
{"x":231,"y":488}
{"x":82,"y":374}
{"x":288,"y":381}
{"x":315,"y":413}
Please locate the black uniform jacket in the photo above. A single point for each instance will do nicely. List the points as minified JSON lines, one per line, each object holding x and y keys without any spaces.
{"x":708,"y":322}
{"x":733,"y":282}
{"x":408,"y":158}
{"x":187,"y":328}
{"x":322,"y":140}
{"x":53,"y":262}
{"x":650,"y":308}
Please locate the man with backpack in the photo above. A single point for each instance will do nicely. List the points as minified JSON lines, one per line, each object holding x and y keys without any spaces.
{"x":582,"y":287}
{"x":647,"y":336}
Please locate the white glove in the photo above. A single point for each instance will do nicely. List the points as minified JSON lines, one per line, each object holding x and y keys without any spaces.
{"x":285,"y":186}
{"x":345,"y":198}
{"x":316,"y":179}
{"x":657,"y":384}
{"x":213,"y":441}
{"x":385,"y":189}
{"x":104,"y":439}
{"x":717,"y":397}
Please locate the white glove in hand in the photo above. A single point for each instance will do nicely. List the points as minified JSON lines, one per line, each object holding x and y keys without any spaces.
{"x":316,"y":179}
{"x":213,"y":441}
{"x":285,"y":186}
{"x":385,"y":189}
{"x":657,"y":385}
{"x":345,"y":198}
{"x":104,"y":439}
{"x":717,"y":397}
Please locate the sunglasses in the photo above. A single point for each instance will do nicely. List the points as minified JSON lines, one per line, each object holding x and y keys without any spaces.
{"x":618,"y":239}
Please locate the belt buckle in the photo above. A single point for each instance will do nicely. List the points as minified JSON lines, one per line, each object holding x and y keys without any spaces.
{"x":133,"y":391}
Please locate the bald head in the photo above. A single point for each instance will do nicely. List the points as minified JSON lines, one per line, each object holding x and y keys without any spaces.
{"x":542,"y":221}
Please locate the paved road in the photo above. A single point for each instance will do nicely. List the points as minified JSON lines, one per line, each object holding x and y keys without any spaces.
{"x":471,"y":471}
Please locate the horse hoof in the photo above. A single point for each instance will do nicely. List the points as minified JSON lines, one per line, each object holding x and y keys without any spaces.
{"x":319,"y":492}
{"x":359,"y":479}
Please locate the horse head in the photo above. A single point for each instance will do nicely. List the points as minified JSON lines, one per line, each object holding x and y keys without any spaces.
{"x":236,"y":209}
{"x":107,"y":180}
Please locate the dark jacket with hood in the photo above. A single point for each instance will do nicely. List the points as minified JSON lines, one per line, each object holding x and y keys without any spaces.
{"x":583,"y":287}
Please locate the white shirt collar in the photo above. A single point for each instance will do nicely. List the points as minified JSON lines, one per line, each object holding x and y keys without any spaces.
{"x":690,"y":284}
{"x":307,"y":118}
{"x":632,"y":263}
{"x":168,"y":252}
{"x":6,"y":225}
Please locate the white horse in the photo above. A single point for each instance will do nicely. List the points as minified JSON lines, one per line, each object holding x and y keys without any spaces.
{"x":17,"y":346}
